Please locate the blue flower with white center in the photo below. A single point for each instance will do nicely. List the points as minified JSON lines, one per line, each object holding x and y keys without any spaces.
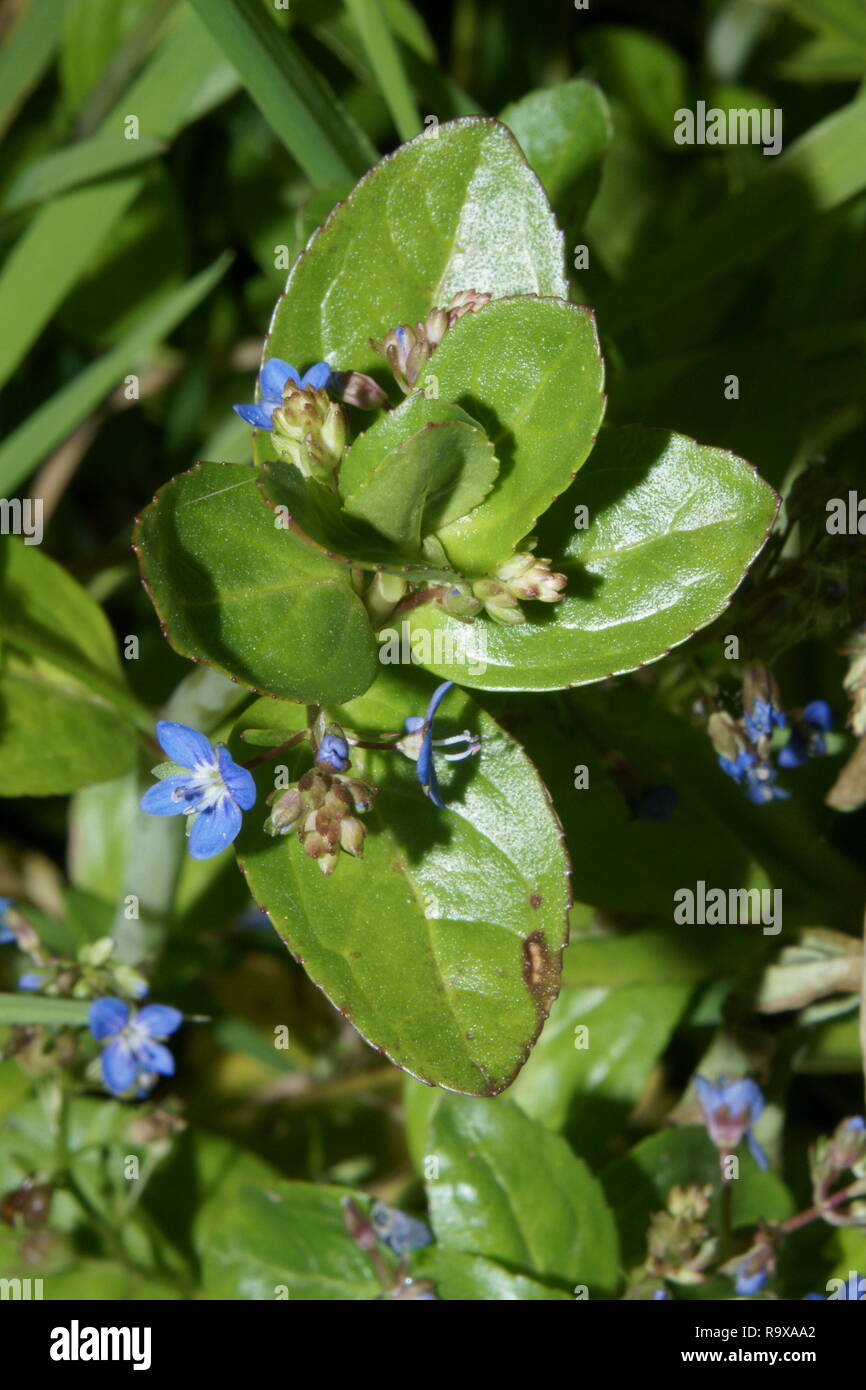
{"x":762,"y":785}
{"x":202,"y":782}
{"x":333,"y":751}
{"x":6,"y":933}
{"x":272,"y":381}
{"x":750,"y":1281}
{"x":134,"y":1053}
{"x":731,"y":1108}
{"x":807,"y":736}
{"x":420,"y":743}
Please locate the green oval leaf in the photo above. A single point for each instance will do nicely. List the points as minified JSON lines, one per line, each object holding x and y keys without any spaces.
{"x":458,"y":208}
{"x":673,"y":528}
{"x":66,"y":716}
{"x":415,"y":470}
{"x":510,"y":1190}
{"x":287,"y":1236}
{"x":530,"y":371}
{"x":238,"y":593}
{"x":442,"y":945}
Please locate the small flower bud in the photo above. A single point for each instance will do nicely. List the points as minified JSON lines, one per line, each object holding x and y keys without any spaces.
{"x":466,"y":302}
{"x":285,"y":813}
{"x":498,"y":601}
{"x":352,"y":835}
{"x":526,"y":576}
{"x":355,"y":388}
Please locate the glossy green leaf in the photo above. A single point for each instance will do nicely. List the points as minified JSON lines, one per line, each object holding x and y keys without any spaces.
{"x":564,"y":132}
{"x":312,"y":512}
{"x":235,"y":591}
{"x":66,"y":716}
{"x":530,"y":371}
{"x":511,"y":1191}
{"x":287,"y":1240}
{"x":442,"y":944}
{"x":673,"y":527}
{"x":595,"y":1057}
{"x":387,"y":256}
{"x":420,"y":467}
{"x":462,"y":1278}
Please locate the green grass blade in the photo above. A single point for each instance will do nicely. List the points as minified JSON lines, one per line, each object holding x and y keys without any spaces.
{"x":73,"y":166}
{"x":36,"y":1008}
{"x":26,"y":53}
{"x":384,"y":56}
{"x":295,"y":102}
{"x":185,"y":78}
{"x":822,"y":170}
{"x":53,"y":421}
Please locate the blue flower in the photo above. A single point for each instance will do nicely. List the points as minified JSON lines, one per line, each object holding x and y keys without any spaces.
{"x":6,"y":934}
{"x":272,"y":380}
{"x":400,"y":1232}
{"x":739,"y":766}
{"x":731,"y":1109}
{"x":761,"y":719}
{"x":213,"y":791}
{"x":661,"y":1296}
{"x":31,"y":981}
{"x":749,"y":1281}
{"x":762,"y":786}
{"x":420,"y":744}
{"x":856,"y":1122}
{"x":807,"y":736}
{"x":135,"y":1054}
{"x":334,"y":752}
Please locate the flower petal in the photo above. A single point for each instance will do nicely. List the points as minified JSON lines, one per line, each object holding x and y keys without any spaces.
{"x":436,"y":699}
{"x":427,"y":772}
{"x":709,"y":1095}
{"x":756,"y":1150}
{"x":184,"y":745}
{"x":159,"y":1019}
{"x":154,"y":1056}
{"x":160,"y":800}
{"x":119,"y":1067}
{"x":273,"y":377}
{"x":256,"y":415}
{"x":743,"y":1095}
{"x":318,"y":376}
{"x":107,"y":1016}
{"x":213,"y":830}
{"x":239,"y":780}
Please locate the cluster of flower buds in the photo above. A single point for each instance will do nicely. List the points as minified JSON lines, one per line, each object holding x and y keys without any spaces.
{"x":309,"y":430}
{"x":744,"y":745}
{"x":90,"y":974}
{"x":524,"y":576}
{"x":408,"y":350}
{"x":829,"y":1159}
{"x":323,"y":806}
{"x":680,"y":1244}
